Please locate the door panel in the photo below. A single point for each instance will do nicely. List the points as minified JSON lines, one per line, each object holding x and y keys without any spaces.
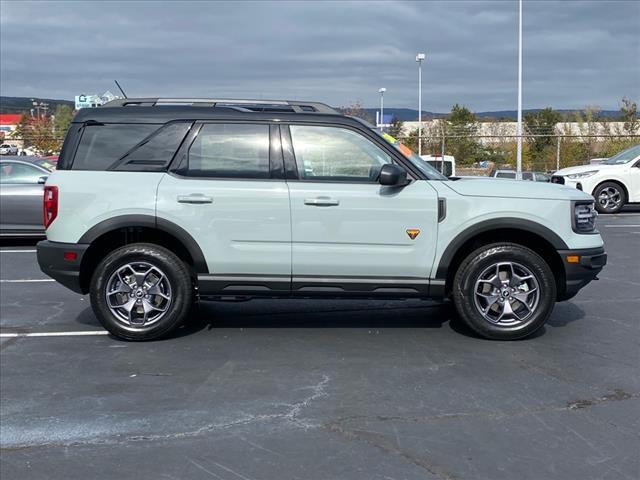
{"x":634,"y":176}
{"x":363,"y":234}
{"x":242,"y":227}
{"x":21,"y":207}
{"x":20,"y":198}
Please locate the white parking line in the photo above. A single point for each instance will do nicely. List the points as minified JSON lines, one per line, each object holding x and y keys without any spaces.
{"x":620,"y":226}
{"x":18,"y":251}
{"x":54,"y":334}
{"x":28,"y":280}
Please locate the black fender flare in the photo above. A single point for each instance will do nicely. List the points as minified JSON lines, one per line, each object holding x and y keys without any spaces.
{"x":149,"y":221}
{"x":526,"y":226}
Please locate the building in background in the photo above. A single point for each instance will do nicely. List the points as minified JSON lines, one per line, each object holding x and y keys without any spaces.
{"x":91,"y":101}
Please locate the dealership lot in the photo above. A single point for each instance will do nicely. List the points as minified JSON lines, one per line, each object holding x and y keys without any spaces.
{"x":273,"y":389}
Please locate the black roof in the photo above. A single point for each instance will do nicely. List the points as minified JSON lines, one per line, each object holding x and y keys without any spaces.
{"x":162,"y":110}
{"x":165,"y":114}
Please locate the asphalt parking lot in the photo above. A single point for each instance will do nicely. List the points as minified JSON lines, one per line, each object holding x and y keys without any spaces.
{"x":322,"y":389}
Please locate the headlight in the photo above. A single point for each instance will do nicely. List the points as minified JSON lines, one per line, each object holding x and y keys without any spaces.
{"x":584,"y":217}
{"x":590,"y":173}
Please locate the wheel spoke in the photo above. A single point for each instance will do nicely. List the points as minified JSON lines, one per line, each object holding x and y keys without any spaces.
{"x":148,"y":307}
{"x":490,"y":298}
{"x":506,"y":310}
{"x":122,"y":288}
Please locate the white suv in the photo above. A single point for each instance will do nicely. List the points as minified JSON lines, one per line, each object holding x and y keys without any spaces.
{"x":7,"y":149}
{"x":613,"y":182}
{"x":158,"y":202}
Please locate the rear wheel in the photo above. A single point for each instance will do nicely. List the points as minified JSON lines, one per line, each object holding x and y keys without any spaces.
{"x":141,"y":291}
{"x":504,"y":291}
{"x":610,"y":197}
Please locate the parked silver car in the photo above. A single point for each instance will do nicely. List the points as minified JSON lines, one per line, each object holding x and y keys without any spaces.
{"x":21,"y":189}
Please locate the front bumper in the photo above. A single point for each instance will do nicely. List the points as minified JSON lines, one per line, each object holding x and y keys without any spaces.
{"x":66,"y":270}
{"x":580,"y":267}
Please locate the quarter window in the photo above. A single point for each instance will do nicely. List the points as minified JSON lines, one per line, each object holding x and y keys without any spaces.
{"x":103,"y":145}
{"x":336,"y":154}
{"x":230,"y":151}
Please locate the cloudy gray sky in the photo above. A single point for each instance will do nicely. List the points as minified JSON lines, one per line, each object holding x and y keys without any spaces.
{"x":575,"y":53}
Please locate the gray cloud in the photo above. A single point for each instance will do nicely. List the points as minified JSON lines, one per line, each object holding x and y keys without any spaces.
{"x":575,"y":53}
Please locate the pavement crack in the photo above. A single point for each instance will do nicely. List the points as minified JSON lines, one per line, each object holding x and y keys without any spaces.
{"x":291,"y":415}
{"x":387,"y":446}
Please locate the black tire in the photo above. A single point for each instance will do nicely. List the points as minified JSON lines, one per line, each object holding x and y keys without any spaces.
{"x":177,"y":283}
{"x":483,"y":260}
{"x":613,"y":190}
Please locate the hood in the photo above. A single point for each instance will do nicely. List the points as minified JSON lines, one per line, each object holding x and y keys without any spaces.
{"x":503,"y":188}
{"x":584,"y":168}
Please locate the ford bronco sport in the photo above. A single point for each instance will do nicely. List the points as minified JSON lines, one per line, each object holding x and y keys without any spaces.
{"x":159,"y":202}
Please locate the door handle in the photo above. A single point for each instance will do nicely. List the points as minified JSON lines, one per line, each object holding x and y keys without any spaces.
{"x":195,"y":198}
{"x":321,"y":202}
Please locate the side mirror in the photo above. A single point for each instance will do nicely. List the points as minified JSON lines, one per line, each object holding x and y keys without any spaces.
{"x":42,"y":180}
{"x":392,"y":175}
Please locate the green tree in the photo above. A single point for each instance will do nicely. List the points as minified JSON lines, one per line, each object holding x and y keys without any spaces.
{"x":62,"y":119}
{"x":37,"y":133}
{"x":540,"y":128}
{"x":461,"y":131}
{"x":397,"y":125}
{"x":629,"y":115}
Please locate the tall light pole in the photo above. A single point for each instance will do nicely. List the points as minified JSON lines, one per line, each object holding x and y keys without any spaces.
{"x":381,"y":91}
{"x":519,"y":126}
{"x":419,"y":58}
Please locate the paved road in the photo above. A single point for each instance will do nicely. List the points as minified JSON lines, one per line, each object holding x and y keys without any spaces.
{"x":322,"y":389}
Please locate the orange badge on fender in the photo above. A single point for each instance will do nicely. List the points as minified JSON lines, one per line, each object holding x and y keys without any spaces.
{"x":413,"y":233}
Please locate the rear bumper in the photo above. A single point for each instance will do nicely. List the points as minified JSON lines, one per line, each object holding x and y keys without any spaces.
{"x":52,"y":262}
{"x":580,"y":273}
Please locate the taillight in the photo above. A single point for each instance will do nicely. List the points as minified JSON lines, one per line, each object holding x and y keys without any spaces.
{"x":50,"y":204}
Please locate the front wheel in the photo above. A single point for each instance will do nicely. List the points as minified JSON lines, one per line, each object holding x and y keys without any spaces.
{"x":504,"y":291}
{"x":610,"y":197}
{"x":141,"y":291}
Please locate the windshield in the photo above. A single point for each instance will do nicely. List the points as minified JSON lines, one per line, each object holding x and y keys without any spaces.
{"x":424,"y":167}
{"x":624,"y":156}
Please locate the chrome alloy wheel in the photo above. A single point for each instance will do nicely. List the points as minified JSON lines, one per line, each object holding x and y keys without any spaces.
{"x":138,"y":294}
{"x":506,"y":293}
{"x":609,"y":198}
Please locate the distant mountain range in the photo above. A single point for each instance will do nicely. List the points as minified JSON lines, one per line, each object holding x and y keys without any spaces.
{"x":24,"y":104}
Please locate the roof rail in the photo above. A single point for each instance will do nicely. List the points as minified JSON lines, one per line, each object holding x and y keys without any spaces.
{"x":259,"y":105}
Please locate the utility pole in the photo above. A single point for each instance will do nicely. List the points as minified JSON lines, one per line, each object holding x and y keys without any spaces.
{"x":442,"y":149}
{"x":419,"y":58}
{"x":381,"y":91}
{"x":519,"y":127}
{"x":558,"y":155}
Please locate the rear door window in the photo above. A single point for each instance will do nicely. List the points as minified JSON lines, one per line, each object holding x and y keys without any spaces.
{"x":230,"y":151}
{"x":101,"y":146}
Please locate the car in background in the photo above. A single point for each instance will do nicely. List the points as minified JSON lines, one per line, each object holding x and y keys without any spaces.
{"x":613,"y":183}
{"x":21,"y":195}
{"x":449,"y":167}
{"x":6,"y":149}
{"x":598,"y":161}
{"x":531,"y":176}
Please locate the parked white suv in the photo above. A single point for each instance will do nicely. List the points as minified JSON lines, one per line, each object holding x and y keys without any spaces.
{"x":156,"y":203}
{"x":614,"y":182}
{"x":7,"y":149}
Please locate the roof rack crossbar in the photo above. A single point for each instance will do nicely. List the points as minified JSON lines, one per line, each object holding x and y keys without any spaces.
{"x":296,"y":106}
